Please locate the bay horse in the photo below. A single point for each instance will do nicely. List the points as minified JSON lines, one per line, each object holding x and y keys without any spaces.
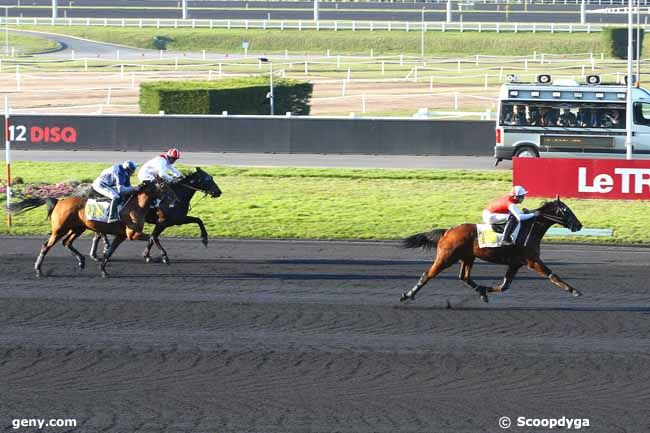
{"x":173,"y":211}
{"x":68,"y":220}
{"x":460,"y":243}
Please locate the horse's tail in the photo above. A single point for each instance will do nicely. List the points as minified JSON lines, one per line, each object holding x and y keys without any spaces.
{"x":426,"y":240}
{"x":51,"y":204}
{"x":32,"y":203}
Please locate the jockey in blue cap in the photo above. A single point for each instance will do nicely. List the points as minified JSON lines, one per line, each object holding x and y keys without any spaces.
{"x":114,"y":183}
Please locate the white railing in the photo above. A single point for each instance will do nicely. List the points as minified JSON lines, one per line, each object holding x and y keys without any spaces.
{"x":408,"y":26}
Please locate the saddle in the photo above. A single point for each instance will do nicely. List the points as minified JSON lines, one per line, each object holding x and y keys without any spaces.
{"x":97,"y":209}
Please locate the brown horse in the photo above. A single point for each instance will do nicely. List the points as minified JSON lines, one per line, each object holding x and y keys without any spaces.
{"x":69,"y":221}
{"x":460,"y":243}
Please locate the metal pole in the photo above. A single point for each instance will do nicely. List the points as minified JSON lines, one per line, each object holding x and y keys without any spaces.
{"x":271,"y":84}
{"x":448,"y":11}
{"x":55,"y":11}
{"x":184,"y":12}
{"x":583,"y":12}
{"x":628,"y":107}
{"x":316,"y":10}
{"x":638,"y":44}
{"x":8,"y":159}
{"x":422,"y":37}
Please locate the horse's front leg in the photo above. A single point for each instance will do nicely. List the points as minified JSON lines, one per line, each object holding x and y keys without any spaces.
{"x":199,"y":222}
{"x":538,"y":266}
{"x":93,"y":247}
{"x":154,"y":239}
{"x":116,"y":243}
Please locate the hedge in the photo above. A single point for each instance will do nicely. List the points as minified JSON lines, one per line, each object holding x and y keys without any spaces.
{"x":236,"y":96}
{"x":615,"y":39}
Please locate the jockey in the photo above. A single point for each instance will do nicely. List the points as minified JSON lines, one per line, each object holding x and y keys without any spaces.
{"x":504,"y":209}
{"x":161,"y":166}
{"x":113,"y":183}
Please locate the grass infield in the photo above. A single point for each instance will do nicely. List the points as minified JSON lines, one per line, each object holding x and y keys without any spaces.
{"x":342,"y":203}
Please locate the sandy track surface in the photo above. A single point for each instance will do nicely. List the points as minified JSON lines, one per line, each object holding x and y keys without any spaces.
{"x":280,"y":336}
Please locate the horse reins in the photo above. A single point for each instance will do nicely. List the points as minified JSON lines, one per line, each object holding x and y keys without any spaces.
{"x":552,"y":218}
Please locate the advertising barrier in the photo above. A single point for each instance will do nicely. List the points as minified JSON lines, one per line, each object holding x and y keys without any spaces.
{"x":610,"y":179}
{"x":255,"y":134}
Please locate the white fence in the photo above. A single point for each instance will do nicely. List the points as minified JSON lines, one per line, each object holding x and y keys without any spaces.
{"x":413,"y":26}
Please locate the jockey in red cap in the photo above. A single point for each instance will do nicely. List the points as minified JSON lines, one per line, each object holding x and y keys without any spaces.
{"x":161,"y":166}
{"x":504,"y":209}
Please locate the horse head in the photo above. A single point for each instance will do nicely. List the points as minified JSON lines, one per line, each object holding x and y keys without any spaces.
{"x":558,"y":212}
{"x":203,"y":182}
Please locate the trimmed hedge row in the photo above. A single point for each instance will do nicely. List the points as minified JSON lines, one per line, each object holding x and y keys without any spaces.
{"x":616,"y":42}
{"x":236,"y":96}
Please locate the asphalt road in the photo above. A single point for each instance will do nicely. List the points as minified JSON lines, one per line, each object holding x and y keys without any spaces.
{"x":281,"y":336}
{"x":383,"y":11}
{"x":272,"y":159}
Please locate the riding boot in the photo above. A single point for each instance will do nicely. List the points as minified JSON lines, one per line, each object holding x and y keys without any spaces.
{"x":507,"y":231}
{"x":113,"y":213}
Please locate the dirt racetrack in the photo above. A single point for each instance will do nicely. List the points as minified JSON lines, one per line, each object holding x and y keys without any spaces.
{"x":281,"y":336}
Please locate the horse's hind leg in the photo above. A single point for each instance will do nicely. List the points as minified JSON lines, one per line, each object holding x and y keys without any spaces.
{"x":538,"y":266}
{"x":441,"y":263}
{"x":465,"y":275}
{"x":51,"y":241}
{"x":67,"y":242}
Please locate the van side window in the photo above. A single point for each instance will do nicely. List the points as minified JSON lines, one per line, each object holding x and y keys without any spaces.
{"x":641,"y":113}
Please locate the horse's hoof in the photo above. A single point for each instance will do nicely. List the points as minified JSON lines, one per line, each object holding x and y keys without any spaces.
{"x":82,"y":264}
{"x":165,"y":260}
{"x":38,"y":273}
{"x":104,"y":274}
{"x":147,"y":259}
{"x":405,"y":297}
{"x":576,"y":293}
{"x":94,"y":258}
{"x":204,"y":241}
{"x":484,"y":298}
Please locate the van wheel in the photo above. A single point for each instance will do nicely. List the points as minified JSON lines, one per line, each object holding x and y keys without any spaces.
{"x":526,"y":152}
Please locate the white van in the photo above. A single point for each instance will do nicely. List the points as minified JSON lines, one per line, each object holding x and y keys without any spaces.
{"x":569,"y":120}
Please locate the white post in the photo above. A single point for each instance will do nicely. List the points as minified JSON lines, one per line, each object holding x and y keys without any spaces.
{"x":583,"y":13}
{"x":455,"y":101}
{"x":203,"y":52}
{"x":382,"y":67}
{"x":422,"y":35}
{"x":449,"y":11}
{"x":628,"y":108}
{"x":316,"y":10}
{"x":8,"y":158}
{"x":343,"y":89}
{"x":271,"y":85}
{"x":55,"y":11}
{"x":184,"y":11}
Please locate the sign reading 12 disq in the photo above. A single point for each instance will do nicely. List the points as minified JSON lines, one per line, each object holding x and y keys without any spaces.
{"x":609,"y":179}
{"x":42,"y":134}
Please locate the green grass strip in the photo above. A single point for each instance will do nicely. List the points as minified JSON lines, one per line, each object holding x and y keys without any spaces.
{"x":377,"y":204}
{"x":341,"y":42}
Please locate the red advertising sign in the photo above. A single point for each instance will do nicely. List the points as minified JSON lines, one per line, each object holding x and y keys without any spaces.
{"x":584,"y":178}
